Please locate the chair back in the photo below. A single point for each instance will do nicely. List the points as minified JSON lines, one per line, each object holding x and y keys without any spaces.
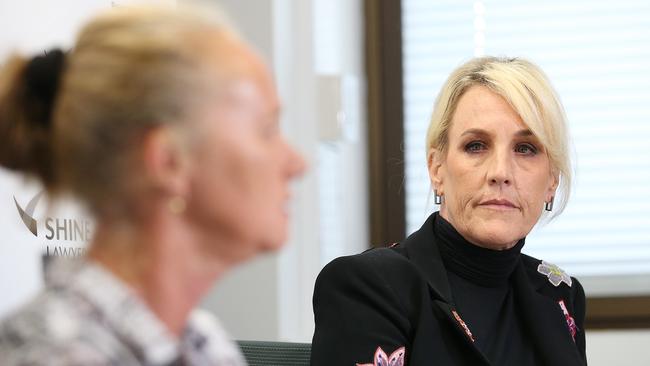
{"x":262,"y":353}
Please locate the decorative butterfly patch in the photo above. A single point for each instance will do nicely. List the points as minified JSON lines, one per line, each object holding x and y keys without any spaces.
{"x":381,"y":359}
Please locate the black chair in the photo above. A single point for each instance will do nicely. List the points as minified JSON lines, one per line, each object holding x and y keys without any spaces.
{"x":262,"y":353}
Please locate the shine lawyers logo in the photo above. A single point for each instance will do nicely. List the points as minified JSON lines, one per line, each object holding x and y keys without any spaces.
{"x":27,"y":214}
{"x":61,"y":233}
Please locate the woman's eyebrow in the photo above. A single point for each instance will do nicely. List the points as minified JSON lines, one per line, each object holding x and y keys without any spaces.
{"x":524,"y":133}
{"x":475,"y":131}
{"x":480,"y":132}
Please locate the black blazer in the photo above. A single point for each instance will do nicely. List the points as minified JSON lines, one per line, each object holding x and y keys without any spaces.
{"x":400,"y":297}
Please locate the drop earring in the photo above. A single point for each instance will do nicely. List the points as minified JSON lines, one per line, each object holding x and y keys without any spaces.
{"x":437,"y":198}
{"x":548,"y":206}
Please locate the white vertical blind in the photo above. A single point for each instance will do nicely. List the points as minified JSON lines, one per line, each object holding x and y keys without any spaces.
{"x":597,"y":55}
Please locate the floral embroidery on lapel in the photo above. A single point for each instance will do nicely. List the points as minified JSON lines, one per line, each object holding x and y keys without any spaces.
{"x":381,"y":359}
{"x":463,"y":325}
{"x":570,"y":322}
{"x":554,"y":273}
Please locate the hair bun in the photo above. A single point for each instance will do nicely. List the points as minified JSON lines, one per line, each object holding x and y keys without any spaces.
{"x":42,"y":77}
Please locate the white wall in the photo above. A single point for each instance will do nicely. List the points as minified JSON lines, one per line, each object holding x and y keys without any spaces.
{"x":629,"y":348}
{"x":34,"y":25}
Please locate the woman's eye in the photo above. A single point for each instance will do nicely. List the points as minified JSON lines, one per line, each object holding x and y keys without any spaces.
{"x":526,"y":149}
{"x":475,"y":146}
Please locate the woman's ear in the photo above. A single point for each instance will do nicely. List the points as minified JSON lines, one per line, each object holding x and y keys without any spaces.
{"x":435,"y":162}
{"x":555,"y":182}
{"x":165,"y":162}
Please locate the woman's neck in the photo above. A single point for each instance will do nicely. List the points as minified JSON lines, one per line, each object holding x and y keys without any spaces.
{"x":161,"y":261}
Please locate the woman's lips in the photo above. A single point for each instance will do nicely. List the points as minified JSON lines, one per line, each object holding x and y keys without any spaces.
{"x":499,"y":204}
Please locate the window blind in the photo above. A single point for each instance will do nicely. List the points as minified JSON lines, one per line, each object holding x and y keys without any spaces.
{"x":596,"y":54}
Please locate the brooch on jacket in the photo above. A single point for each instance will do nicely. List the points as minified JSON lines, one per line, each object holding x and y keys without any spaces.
{"x":554,"y":273}
{"x":381,"y":359}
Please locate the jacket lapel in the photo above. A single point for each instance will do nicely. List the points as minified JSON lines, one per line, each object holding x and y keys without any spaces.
{"x":423,"y":252}
{"x":544,"y":320}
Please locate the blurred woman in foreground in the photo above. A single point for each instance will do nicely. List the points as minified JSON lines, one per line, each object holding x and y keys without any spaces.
{"x":165,"y":125}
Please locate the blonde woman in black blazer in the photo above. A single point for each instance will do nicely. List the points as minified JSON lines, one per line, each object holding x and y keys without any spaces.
{"x":459,"y":291}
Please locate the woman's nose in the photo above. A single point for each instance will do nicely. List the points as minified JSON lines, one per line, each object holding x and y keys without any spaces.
{"x":499,"y":168}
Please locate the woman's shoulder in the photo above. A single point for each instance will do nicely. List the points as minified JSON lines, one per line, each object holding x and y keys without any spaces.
{"x":365,"y":304}
{"x":388,"y":262}
{"x":43,"y":316}
{"x":45,"y":331}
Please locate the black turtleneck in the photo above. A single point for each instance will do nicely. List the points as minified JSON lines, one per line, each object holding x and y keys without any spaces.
{"x":482,"y":266}
{"x":479,"y":279}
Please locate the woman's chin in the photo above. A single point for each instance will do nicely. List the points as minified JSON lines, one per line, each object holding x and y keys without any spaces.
{"x":494,"y":235}
{"x":273,"y":243}
{"x":499,"y":232}
{"x":497,"y":240}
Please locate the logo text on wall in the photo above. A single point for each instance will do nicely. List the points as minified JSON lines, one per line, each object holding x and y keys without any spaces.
{"x":61,"y":233}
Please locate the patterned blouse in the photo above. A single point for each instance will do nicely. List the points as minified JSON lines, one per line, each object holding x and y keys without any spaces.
{"x":86,"y":316}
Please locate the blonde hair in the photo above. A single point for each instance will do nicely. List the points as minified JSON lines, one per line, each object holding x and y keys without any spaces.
{"x":131,"y":69}
{"x":527,"y":89}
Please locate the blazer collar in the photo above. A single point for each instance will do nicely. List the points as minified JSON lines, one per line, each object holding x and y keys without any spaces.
{"x":423,"y":251}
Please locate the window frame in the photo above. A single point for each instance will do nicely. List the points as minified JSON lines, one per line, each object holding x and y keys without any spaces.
{"x":383,"y":61}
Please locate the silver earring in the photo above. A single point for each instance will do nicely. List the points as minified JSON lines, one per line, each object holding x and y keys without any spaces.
{"x":437,"y":198}
{"x":548,"y":206}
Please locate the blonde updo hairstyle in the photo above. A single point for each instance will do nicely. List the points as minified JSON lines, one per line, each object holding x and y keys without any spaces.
{"x":131,"y":69}
{"x":528,"y":91}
